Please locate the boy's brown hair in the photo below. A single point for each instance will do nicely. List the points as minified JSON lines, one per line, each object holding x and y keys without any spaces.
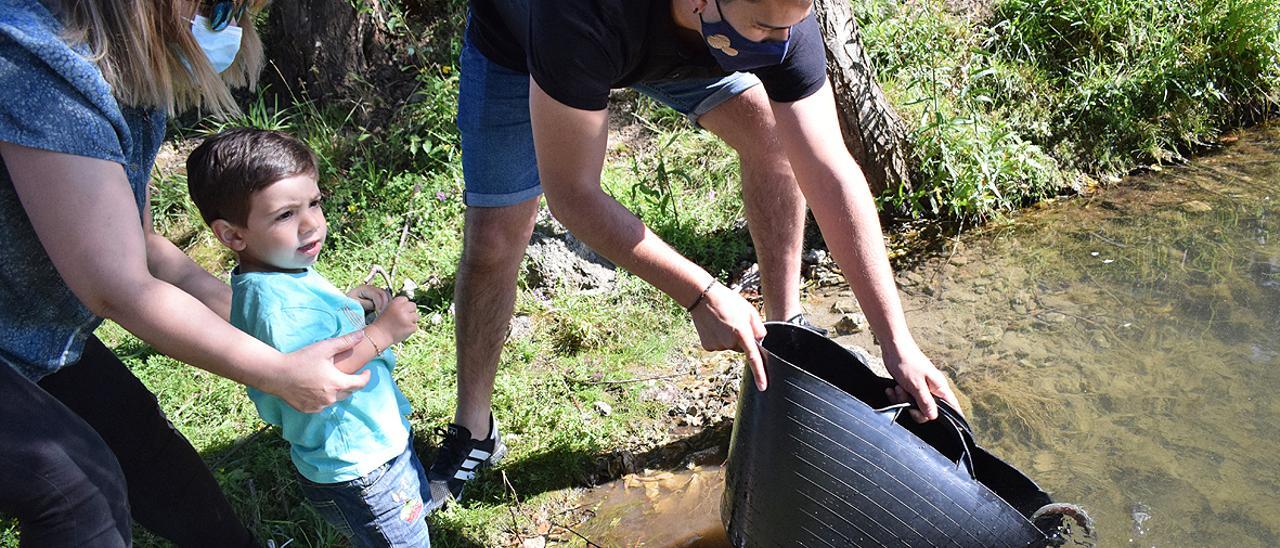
{"x":227,"y":168}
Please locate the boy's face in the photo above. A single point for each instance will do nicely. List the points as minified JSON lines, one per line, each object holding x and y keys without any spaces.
{"x":285,"y":228}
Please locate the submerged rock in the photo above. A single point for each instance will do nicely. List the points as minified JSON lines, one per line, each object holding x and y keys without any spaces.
{"x":1196,"y":206}
{"x":851,"y":323}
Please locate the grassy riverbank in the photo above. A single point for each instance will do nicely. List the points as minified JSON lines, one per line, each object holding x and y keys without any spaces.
{"x":1008,"y":103}
{"x":1017,"y":100}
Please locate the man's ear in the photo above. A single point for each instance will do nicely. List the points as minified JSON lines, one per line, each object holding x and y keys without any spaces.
{"x":230,"y":235}
{"x":697,"y":5}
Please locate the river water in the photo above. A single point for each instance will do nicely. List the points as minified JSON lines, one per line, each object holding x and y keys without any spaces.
{"x":1121,"y":349}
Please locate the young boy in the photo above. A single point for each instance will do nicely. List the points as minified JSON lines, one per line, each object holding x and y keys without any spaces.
{"x":257,"y":190}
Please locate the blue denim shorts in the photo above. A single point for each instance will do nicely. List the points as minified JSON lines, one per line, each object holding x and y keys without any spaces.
{"x":387,"y":507}
{"x":498,"y":164}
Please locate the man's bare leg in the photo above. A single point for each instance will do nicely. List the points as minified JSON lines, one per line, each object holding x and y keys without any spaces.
{"x":774,"y":206}
{"x":484,"y":296}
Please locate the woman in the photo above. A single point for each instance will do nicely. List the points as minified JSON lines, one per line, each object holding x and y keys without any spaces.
{"x":86,"y":88}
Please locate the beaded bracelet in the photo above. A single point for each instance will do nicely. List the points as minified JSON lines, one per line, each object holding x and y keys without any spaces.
{"x":701,"y":296}
{"x":376,"y":351}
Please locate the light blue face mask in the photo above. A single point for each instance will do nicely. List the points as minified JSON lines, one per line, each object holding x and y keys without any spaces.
{"x":219,"y":46}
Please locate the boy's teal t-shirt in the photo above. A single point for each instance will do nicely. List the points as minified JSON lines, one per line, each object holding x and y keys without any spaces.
{"x":348,"y":439}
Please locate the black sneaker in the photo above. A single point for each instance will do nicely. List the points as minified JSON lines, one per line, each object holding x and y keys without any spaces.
{"x":799,"y":320}
{"x":458,"y":459}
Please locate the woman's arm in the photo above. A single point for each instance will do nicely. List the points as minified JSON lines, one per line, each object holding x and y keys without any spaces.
{"x":168,"y":263}
{"x":85,"y":215}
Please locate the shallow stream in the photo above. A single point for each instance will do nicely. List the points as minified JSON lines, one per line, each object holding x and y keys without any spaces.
{"x":1121,"y":349}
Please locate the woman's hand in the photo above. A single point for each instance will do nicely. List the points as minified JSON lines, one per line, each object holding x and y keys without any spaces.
{"x":307,"y":379}
{"x":397,"y":322}
{"x":372,"y":299}
{"x":726,"y":321}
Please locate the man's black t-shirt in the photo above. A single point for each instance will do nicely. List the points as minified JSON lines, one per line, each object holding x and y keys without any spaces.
{"x":577,"y":50}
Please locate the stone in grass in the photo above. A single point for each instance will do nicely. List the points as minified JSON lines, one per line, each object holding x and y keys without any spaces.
{"x":813,"y":256}
{"x":843,"y":307}
{"x":557,"y":259}
{"x":521,"y":327}
{"x":748,"y":281}
{"x":603,"y":408}
{"x":851,"y":323}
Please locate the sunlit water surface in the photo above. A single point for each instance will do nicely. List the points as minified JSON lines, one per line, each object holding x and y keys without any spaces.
{"x":1122,"y":349}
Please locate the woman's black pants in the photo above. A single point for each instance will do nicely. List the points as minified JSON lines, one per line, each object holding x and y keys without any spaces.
{"x":88,"y":448}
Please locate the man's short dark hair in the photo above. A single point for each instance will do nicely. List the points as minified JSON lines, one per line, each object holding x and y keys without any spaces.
{"x":227,"y":168}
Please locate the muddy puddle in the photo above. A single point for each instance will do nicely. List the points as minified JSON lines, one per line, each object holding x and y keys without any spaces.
{"x":658,"y":509}
{"x":1121,"y":349}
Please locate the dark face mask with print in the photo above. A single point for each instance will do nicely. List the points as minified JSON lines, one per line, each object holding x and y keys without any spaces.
{"x":734,"y":52}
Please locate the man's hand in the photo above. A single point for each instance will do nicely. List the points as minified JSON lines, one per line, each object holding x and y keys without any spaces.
{"x":307,"y":379}
{"x":918,"y":381}
{"x":726,"y":321}
{"x":397,"y":322}
{"x":372,"y":299}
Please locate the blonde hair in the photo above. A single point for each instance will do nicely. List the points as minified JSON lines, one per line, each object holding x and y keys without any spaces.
{"x":141,"y":45}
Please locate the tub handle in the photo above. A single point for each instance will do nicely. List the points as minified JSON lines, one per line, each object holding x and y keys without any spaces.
{"x":893,"y":412}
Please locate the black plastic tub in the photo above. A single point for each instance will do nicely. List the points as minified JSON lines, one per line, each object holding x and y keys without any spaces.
{"x":817,"y":460}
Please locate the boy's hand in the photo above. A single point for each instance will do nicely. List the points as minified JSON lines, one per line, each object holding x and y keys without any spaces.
{"x":372,"y":299}
{"x":398,"y":321}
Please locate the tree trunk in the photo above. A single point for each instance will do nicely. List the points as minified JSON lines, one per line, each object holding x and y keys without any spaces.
{"x":331,"y":52}
{"x":873,"y":131}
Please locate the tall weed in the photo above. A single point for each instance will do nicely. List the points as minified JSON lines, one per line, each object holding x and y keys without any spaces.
{"x":1134,"y":82}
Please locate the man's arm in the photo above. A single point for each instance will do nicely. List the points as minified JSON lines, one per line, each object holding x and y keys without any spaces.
{"x":570,"y":145}
{"x":167,"y":262}
{"x":87,"y":220}
{"x":841,"y":202}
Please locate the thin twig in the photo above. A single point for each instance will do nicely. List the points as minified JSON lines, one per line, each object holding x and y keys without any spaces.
{"x":376,"y":270}
{"x":1107,"y":240}
{"x":1089,"y":321}
{"x":515,"y":522}
{"x":404,"y":232}
{"x":573,"y":508}
{"x":623,"y":381}
{"x":564,"y":379}
{"x":590,"y":543}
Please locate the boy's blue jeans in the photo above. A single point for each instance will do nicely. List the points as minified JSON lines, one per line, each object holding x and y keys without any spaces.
{"x":386,"y":507}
